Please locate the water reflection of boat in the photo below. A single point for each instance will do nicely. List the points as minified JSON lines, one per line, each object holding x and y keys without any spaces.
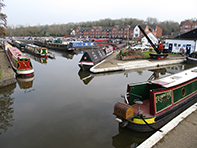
{"x":68,"y":55}
{"x":127,"y":138}
{"x":87,"y":76}
{"x":38,"y":59}
{"x":149,"y":105}
{"x":25,"y":83}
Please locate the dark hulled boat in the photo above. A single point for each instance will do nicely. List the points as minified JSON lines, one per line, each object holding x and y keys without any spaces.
{"x":192,"y":58}
{"x":150,"y":105}
{"x":93,"y":57}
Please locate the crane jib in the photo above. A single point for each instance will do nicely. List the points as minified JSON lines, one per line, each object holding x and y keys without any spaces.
{"x":148,"y":39}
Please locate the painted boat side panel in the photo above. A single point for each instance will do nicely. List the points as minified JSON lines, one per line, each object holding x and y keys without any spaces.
{"x":164,"y":99}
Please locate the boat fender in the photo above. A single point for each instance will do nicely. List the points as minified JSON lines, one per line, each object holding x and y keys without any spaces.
{"x":124,"y":124}
{"x":118,"y":120}
{"x":141,"y":116}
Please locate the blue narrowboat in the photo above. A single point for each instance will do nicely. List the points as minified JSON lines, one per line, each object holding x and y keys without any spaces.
{"x":81,"y":45}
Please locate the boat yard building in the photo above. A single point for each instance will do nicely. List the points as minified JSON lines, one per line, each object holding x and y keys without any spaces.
{"x":124,"y":32}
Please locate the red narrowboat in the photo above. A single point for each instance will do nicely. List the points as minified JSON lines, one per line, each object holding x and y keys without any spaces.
{"x":20,"y":63}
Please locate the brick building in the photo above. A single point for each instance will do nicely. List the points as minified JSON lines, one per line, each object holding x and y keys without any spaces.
{"x":187,"y":25}
{"x":125,"y":32}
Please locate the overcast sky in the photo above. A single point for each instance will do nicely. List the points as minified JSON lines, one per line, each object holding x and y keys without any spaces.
{"x":42,"y":12}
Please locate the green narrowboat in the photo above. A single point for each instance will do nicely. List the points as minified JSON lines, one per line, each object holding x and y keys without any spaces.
{"x":37,"y":50}
{"x":149,"y":105}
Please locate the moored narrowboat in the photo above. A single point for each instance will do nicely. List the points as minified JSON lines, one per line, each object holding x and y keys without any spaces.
{"x":20,"y":45}
{"x":40,"y":43}
{"x":93,"y":57}
{"x":81,"y":45}
{"x":37,"y":50}
{"x":150,"y":105}
{"x":20,"y":63}
{"x":57,"y":46}
{"x":192,"y":59}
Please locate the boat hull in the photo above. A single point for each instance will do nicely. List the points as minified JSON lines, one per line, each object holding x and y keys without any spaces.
{"x":93,"y":57}
{"x":191,"y":60}
{"x":162,"y":119}
{"x":156,"y":102}
{"x":36,"y":50}
{"x":21,"y":65}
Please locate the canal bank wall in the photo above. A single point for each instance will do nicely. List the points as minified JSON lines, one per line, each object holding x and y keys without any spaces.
{"x":113,"y":64}
{"x":179,"y":132}
{"x":7,"y":75}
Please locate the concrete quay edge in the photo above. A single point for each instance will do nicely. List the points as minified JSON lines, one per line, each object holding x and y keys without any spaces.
{"x":156,"y":137}
{"x":134,"y":65}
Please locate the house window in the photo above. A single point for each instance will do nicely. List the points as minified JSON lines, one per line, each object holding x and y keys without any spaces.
{"x":114,"y":29}
{"x":186,"y":26}
{"x":146,"y":30}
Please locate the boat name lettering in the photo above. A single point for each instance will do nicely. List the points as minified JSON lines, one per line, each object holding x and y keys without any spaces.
{"x":163,"y":97}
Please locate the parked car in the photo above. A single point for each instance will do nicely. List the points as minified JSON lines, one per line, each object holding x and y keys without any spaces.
{"x":142,"y":47}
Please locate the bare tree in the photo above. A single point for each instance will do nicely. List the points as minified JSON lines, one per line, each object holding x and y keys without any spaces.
{"x":3,"y":20}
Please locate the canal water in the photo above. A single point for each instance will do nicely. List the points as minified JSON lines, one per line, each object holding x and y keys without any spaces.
{"x":62,"y":106}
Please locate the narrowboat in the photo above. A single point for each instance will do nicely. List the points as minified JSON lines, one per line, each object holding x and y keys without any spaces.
{"x":81,"y":45}
{"x":149,"y":105}
{"x":20,"y":63}
{"x":20,"y":45}
{"x":192,"y":58}
{"x":93,"y":57}
{"x":101,"y":42}
{"x":36,"y":50}
{"x":40,"y":43}
{"x":57,"y":46}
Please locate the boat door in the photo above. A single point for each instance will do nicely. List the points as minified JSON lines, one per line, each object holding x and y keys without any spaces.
{"x":170,"y":47}
{"x":188,"y":49}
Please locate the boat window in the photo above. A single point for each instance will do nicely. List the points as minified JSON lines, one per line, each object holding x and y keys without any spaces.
{"x":175,"y":44}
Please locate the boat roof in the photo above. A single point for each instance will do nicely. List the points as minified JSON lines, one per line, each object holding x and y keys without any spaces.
{"x":32,"y":45}
{"x":177,"y":78}
{"x":17,"y":53}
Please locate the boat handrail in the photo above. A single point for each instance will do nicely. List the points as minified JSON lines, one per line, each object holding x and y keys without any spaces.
{"x":135,"y":95}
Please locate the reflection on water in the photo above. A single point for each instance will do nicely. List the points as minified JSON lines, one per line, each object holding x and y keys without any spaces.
{"x":38,"y":59}
{"x":6,"y":108}
{"x":62,"y":106}
{"x":87,"y":76}
{"x":25,"y":83}
{"x":129,"y":139}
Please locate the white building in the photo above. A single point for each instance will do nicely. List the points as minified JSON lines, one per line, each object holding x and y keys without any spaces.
{"x":151,"y":37}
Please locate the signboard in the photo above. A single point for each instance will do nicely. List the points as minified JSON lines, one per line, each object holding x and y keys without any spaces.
{"x":163,"y":100}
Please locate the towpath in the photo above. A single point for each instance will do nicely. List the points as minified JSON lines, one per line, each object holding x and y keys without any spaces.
{"x":7,"y":75}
